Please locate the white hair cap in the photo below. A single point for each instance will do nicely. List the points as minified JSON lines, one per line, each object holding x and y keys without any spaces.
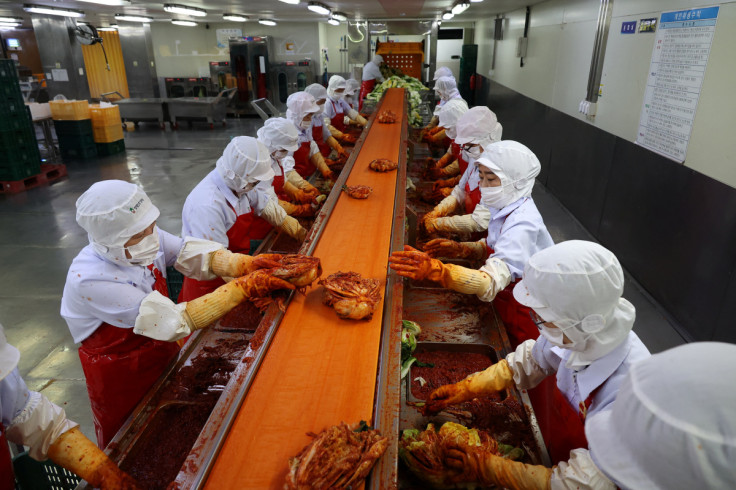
{"x":317,"y":91}
{"x":377,"y":59}
{"x":451,"y":112}
{"x":478,"y":126}
{"x":244,"y":161}
{"x":442,"y":71}
{"x":446,"y":87}
{"x":111,"y":212}
{"x":515,"y":165}
{"x":351,"y":86}
{"x":279,"y":134}
{"x":336,"y":82}
{"x":577,"y":285}
{"x":673,"y":423}
{"x":299,"y":105}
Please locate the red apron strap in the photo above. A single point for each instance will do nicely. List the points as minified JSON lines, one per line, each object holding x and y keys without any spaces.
{"x":318,"y":137}
{"x":7,"y":477}
{"x":338,"y":120}
{"x":365,"y":88}
{"x":160,"y":284}
{"x":472,"y":198}
{"x":278,"y":184}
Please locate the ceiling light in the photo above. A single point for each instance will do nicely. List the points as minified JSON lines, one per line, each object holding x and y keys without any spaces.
{"x":235,"y":17}
{"x":475,"y":1}
{"x":111,"y":28}
{"x":9,"y":24}
{"x":108,"y":2}
{"x":447,"y":15}
{"x":11,"y":19}
{"x":291,"y":2}
{"x":333,"y":21}
{"x":341,"y":16}
{"x":319,"y":8}
{"x":184,"y":10}
{"x":187,"y":23}
{"x":133,"y":18}
{"x":39,"y":9}
{"x":460,"y":7}
{"x":267,"y":22}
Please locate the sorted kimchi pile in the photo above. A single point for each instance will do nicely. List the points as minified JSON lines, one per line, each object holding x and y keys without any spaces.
{"x":352,"y":296}
{"x":387,"y":117}
{"x":357,"y":191}
{"x":383,"y":165}
{"x":339,"y":457}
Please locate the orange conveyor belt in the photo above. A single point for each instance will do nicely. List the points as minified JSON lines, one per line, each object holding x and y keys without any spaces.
{"x":320,"y":370}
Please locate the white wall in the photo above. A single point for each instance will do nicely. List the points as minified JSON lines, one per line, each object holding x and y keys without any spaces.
{"x":561,"y":36}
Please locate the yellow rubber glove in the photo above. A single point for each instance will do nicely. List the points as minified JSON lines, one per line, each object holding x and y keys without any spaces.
{"x":335,"y":132}
{"x":292,"y":228}
{"x":225,"y":263}
{"x":438,"y":137}
{"x":297,"y":195}
{"x":294,"y":178}
{"x":73,"y":451}
{"x":300,"y":210}
{"x":445,"y":207}
{"x":335,"y":145}
{"x":418,"y":265}
{"x":489,"y":470}
{"x":360,"y":120}
{"x":318,"y":161}
{"x":442,"y":247}
{"x":496,"y":378}
{"x":449,"y":170}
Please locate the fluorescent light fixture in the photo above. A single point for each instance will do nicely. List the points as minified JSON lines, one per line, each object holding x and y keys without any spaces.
{"x":9,"y":25}
{"x":11,"y":19}
{"x":341,"y":16}
{"x":267,"y":22}
{"x":475,"y":1}
{"x":460,"y":7}
{"x":112,"y":3}
{"x":111,"y":28}
{"x":290,"y":2}
{"x":187,"y":23}
{"x":319,"y":8}
{"x":333,"y":22}
{"x":447,"y":15}
{"x":184,"y":10}
{"x":40,"y":9}
{"x":133,"y":18}
{"x":235,"y":17}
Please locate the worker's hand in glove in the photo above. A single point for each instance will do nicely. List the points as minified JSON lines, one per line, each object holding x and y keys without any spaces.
{"x":439,"y":193}
{"x":331,"y":162}
{"x":429,"y":162}
{"x":260,"y":283}
{"x":416,"y":265}
{"x":430,"y":225}
{"x":496,"y":378}
{"x":442,"y":247}
{"x":428,"y":217}
{"x":226,"y":263}
{"x":330,"y":175}
{"x":435,"y":173}
{"x":349,"y":139}
{"x":343,"y":154}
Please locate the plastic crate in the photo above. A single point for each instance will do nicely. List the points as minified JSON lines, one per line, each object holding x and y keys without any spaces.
{"x":80,"y":153}
{"x":11,"y":107}
{"x":13,"y":123}
{"x":82,"y":127}
{"x":71,"y":142}
{"x":174,"y":281}
{"x":8,"y":72}
{"x":42,"y":475}
{"x":69,"y":110}
{"x":108,"y":134}
{"x":20,"y":172}
{"x":23,"y":137}
{"x":19,"y":156}
{"x":105,"y":116}
{"x":409,"y":63}
{"x":10,"y":90}
{"x":112,"y":148}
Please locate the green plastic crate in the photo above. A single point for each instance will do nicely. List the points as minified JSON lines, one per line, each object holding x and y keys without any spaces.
{"x":13,"y":108}
{"x":20,"y":172}
{"x":42,"y":475}
{"x":82,"y":127}
{"x":10,"y":91}
{"x":8,"y":71}
{"x":12,"y":123}
{"x":105,"y":149}
{"x":18,"y":156}
{"x":174,"y":281}
{"x":20,"y":138}
{"x":71,"y":142}
{"x":80,"y":153}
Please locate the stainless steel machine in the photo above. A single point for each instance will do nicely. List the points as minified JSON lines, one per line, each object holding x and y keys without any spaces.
{"x":187,"y":87}
{"x":249,"y":64}
{"x":290,"y":77}
{"x":219,"y":71}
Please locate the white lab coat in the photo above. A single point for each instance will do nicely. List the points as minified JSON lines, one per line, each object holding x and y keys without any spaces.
{"x":515,"y":233}
{"x":372,"y":71}
{"x":438,"y":107}
{"x":332,"y":107}
{"x":594,"y":386}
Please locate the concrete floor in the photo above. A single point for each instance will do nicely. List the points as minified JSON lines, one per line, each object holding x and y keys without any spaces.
{"x":40,"y":238}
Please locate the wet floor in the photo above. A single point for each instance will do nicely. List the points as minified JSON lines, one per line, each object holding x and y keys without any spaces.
{"x":40,"y":238}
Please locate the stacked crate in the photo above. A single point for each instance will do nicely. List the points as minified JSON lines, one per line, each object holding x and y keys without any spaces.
{"x":19,"y":155}
{"x":73,"y":128}
{"x":108,"y":129}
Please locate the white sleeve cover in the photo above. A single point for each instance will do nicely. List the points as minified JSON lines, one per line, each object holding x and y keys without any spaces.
{"x":194,"y":258}
{"x":500,"y":275}
{"x":579,"y":473}
{"x":273,"y":213}
{"x":39,"y":425}
{"x":161,"y":319}
{"x":313,"y":148}
{"x":527,"y":371}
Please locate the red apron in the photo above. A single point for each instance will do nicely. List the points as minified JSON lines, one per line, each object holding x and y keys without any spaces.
{"x":318,"y":137}
{"x":120,"y":367}
{"x":7,"y":477}
{"x":278,"y":184}
{"x":302,"y":164}
{"x":338,"y":121}
{"x":365,"y":88}
{"x":472,"y":198}
{"x":247,"y":227}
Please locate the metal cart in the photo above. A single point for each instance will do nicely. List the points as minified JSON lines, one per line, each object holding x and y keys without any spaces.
{"x":136,"y":110}
{"x":213,"y":109}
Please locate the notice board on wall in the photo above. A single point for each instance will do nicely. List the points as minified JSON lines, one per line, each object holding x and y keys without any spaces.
{"x":676,"y":72}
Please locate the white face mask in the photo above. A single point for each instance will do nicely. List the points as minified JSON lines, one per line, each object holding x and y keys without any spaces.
{"x":339,"y":95}
{"x":278,"y":155}
{"x":555,"y":336}
{"x":305,"y":124}
{"x":143,"y":252}
{"x":493,"y":197}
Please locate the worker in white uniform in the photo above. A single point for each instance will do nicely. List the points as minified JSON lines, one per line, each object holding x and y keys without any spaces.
{"x":116,"y":302}
{"x":371,"y":75}
{"x":336,"y":109}
{"x":477,"y":129}
{"x":30,"y":419}
{"x":515,"y":231}
{"x":451,"y":166}
{"x":301,"y":109}
{"x":442,"y":71}
{"x":352,"y":87}
{"x":320,"y":132}
{"x":445,"y":87}
{"x":586,"y":341}
{"x":235,"y":205}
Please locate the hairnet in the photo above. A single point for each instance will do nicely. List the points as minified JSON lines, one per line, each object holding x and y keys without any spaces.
{"x":446,"y":87}
{"x":577,"y":285}
{"x":442,"y":71}
{"x":477,"y":126}
{"x":351,"y":86}
{"x":451,"y":112}
{"x":244,"y":161}
{"x":317,"y":91}
{"x":111,"y":212}
{"x":377,"y":59}
{"x":298,"y":106}
{"x":515,"y":164}
{"x":673,"y":423}
{"x":279,"y":134}
{"x":336,"y":82}
{"x":9,"y":355}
